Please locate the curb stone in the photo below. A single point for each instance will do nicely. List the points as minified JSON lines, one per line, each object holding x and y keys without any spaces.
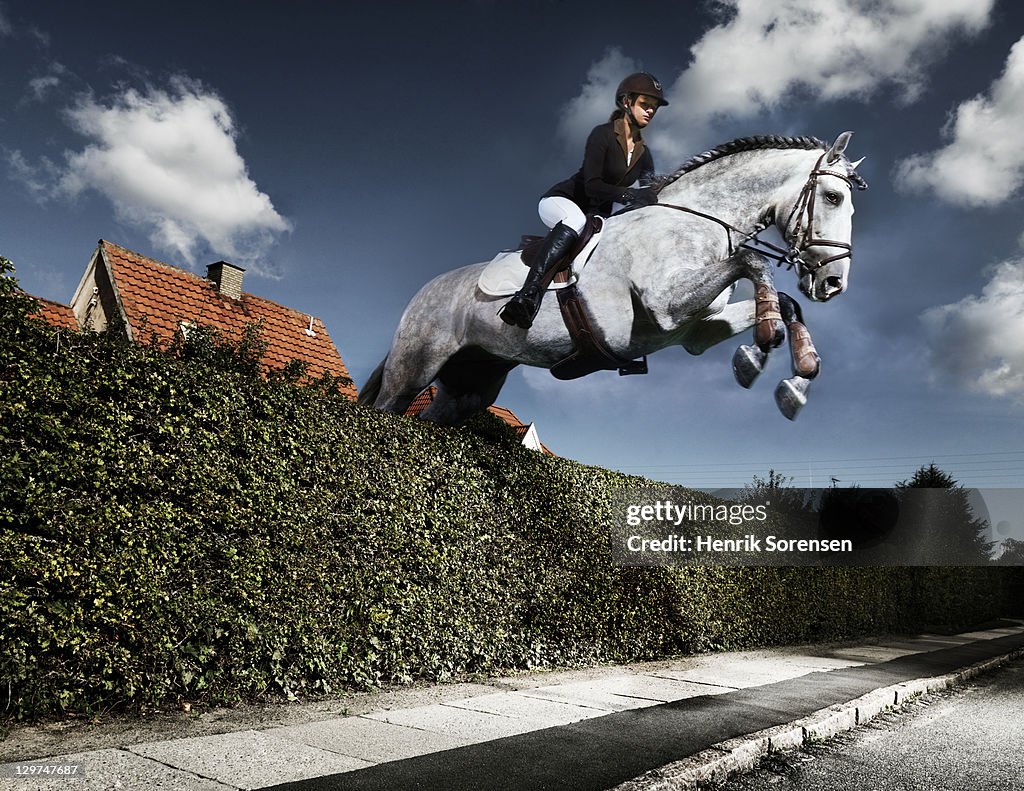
{"x":729,"y":758}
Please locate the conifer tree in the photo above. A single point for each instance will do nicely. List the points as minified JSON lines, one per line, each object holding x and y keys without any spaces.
{"x":938,"y":523}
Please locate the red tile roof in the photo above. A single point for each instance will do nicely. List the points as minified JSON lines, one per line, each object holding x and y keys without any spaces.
{"x":158,"y":298}
{"x":55,"y":313}
{"x":424,"y":399}
{"x":421,"y":402}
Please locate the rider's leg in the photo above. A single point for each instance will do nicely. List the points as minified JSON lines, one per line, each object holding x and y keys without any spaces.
{"x":555,"y":209}
{"x":566,"y":220}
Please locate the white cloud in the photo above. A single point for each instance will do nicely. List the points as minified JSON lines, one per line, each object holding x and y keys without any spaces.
{"x":831,"y":48}
{"x":168,"y":162}
{"x":983,"y":163}
{"x":978,"y":342}
{"x":38,"y":179}
{"x":596,"y":98}
{"x":764,"y":55}
{"x":5,"y":25}
{"x":42,"y":85}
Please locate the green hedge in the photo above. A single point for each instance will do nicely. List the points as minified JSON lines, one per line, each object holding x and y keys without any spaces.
{"x":176,"y":527}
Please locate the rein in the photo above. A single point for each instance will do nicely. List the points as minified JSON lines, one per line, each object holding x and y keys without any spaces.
{"x":802,"y":240}
{"x":780,"y":255}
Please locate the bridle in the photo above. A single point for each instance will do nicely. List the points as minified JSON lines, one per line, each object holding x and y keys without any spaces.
{"x":804,"y":207}
{"x":801,"y":240}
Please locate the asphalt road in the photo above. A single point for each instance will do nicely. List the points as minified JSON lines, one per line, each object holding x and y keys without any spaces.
{"x":966,"y":738}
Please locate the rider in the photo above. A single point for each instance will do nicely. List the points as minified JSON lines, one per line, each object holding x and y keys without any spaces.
{"x":615,"y":158}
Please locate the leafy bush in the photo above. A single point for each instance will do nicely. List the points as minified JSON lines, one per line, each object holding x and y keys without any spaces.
{"x":174,"y":526}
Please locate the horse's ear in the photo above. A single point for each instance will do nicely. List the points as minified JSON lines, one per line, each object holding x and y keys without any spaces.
{"x":838,"y":147}
{"x":855,"y":165}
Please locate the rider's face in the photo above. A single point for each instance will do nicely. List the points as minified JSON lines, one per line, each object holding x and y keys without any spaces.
{"x":643,"y":109}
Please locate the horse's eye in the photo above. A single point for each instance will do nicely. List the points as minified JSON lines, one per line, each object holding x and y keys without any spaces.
{"x":833,"y":197}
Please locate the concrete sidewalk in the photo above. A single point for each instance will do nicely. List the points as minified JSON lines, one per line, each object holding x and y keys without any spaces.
{"x":655,"y":726}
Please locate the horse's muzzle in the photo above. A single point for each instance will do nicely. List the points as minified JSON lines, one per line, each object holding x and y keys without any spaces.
{"x":824,"y":289}
{"x":832,"y":286}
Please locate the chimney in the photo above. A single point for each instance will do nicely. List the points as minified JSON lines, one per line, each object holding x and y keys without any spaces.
{"x":227,"y":277}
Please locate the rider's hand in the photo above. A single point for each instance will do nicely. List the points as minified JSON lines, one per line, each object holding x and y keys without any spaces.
{"x":635,"y":198}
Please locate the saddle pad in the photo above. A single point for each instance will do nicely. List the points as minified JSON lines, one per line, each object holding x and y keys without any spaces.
{"x":506,"y":273}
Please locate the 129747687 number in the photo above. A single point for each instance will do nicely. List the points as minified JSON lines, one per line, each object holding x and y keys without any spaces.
{"x":41,"y":770}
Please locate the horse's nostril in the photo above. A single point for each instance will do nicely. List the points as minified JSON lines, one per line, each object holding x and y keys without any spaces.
{"x":834,"y":283}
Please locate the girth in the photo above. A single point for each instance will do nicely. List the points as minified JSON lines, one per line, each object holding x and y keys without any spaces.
{"x":591,"y":353}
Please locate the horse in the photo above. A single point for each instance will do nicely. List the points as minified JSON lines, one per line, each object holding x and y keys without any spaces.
{"x":661,"y":275}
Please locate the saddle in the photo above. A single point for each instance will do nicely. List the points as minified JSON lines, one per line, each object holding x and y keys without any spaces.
{"x":591,"y":353}
{"x":505,"y":274}
{"x":529,"y":245}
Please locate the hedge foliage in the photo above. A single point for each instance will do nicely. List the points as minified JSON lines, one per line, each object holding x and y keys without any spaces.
{"x":177,"y":527}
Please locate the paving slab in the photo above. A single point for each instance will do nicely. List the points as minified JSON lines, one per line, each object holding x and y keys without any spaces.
{"x":740,"y":672}
{"x":470,"y":726}
{"x":623,"y":692}
{"x":248,"y":759}
{"x":104,"y":770}
{"x":368,"y":739}
{"x":538,"y":711}
{"x":916,"y":644}
{"x":991,"y":634}
{"x":808,"y":663}
{"x":872,"y":654}
{"x":930,"y":642}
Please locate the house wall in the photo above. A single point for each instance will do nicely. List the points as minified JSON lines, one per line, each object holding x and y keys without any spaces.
{"x":94,"y":302}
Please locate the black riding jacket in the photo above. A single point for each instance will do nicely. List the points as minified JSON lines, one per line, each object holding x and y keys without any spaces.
{"x":604,"y":175}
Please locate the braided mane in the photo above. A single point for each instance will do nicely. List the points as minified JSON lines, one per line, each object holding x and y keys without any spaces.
{"x":756,"y":143}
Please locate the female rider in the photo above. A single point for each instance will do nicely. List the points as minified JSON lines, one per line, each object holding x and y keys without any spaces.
{"x":615,"y":158}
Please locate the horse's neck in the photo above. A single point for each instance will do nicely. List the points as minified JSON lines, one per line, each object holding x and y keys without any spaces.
{"x":740,"y":187}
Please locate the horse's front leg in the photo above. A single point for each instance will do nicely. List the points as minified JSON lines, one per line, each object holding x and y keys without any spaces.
{"x":791,"y":394}
{"x":806,"y":362}
{"x":769,"y":330}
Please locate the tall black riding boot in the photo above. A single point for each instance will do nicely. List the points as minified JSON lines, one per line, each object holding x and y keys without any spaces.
{"x":522,"y":308}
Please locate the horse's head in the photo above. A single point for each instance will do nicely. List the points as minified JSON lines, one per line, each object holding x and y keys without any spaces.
{"x":816,"y":220}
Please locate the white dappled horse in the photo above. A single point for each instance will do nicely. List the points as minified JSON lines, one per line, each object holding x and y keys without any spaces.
{"x":661,"y":276}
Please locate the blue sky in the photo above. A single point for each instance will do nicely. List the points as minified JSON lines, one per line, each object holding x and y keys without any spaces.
{"x":346,"y":153}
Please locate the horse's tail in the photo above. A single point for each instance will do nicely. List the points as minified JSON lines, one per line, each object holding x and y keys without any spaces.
{"x":369,"y":391}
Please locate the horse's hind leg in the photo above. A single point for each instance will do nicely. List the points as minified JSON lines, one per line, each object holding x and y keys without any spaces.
{"x":406,"y":373}
{"x":466,"y":388}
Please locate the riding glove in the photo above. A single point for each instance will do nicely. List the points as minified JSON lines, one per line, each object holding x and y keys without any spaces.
{"x":635,"y":198}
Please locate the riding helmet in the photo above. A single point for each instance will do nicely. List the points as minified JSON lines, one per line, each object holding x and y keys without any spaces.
{"x":641,"y":82}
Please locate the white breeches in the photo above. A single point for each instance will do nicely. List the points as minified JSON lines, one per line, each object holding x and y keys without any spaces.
{"x":555,"y":209}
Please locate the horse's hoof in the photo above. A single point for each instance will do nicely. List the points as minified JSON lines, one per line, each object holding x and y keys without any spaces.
{"x":747,"y":364}
{"x":791,"y":396}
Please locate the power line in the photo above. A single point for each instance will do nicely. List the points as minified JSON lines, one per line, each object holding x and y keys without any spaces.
{"x":992,"y":469}
{"x":745,"y":464}
{"x":875,"y":471}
